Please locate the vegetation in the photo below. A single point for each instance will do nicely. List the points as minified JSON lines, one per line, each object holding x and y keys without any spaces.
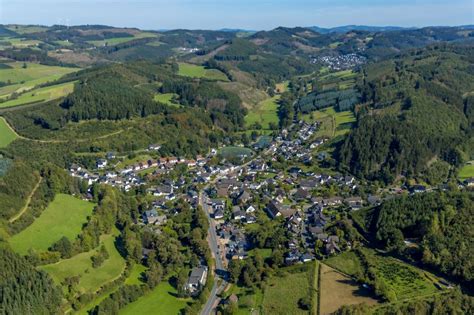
{"x":194,"y":71}
{"x":6,"y":134}
{"x":264,"y":115}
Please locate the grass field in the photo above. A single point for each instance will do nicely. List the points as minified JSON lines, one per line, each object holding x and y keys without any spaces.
{"x":63,"y":217}
{"x":166,"y":99}
{"x":41,"y":95}
{"x":346,"y":262}
{"x":281,"y":294}
{"x":161,"y":300}
{"x":195,"y":71}
{"x":467,"y":171}
{"x":338,"y":290}
{"x":27,"y":29}
{"x":332,"y":123}
{"x":120,"y":40}
{"x":235,"y":152}
{"x":264,"y":113}
{"x":22,"y":79}
{"x":91,"y":279}
{"x":7,"y":136}
{"x":136,"y":275}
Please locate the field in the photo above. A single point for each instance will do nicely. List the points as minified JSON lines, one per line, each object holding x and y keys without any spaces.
{"x":194,"y":71}
{"x":22,"y":79}
{"x":332,"y":123}
{"x":161,"y":300}
{"x":281,"y":294}
{"x":235,"y":152}
{"x":7,"y":136}
{"x":91,"y":279}
{"x":166,"y":99}
{"x":337,"y":290}
{"x":136,"y":275}
{"x":27,"y":29}
{"x":63,"y":217}
{"x":41,"y":95}
{"x":264,"y":113}
{"x":467,"y":171}
{"x":346,"y":262}
{"x":120,"y":40}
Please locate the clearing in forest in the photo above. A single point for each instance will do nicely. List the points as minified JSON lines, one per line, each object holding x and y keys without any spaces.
{"x":195,"y":71}
{"x":7,"y":135}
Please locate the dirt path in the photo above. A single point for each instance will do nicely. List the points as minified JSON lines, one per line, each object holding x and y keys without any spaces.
{"x":28,"y":200}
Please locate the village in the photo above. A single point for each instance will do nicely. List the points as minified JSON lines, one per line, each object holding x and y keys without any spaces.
{"x":276,"y":184}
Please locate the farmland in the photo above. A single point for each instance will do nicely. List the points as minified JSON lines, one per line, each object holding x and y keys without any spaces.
{"x":235,"y":152}
{"x":63,"y":217}
{"x":265,"y":113}
{"x":81,"y":265}
{"x":22,"y":79}
{"x":195,"y":71}
{"x":41,"y":95}
{"x":332,"y":123}
{"x":338,"y":290}
{"x":161,"y":300}
{"x":120,"y":40}
{"x":6,"y":134}
{"x":282,"y":293}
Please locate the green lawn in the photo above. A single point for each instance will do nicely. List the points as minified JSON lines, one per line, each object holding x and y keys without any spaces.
{"x":195,"y":71}
{"x":120,"y":40}
{"x":136,"y":275}
{"x":91,"y":279}
{"x":235,"y":152}
{"x":332,"y":123}
{"x":346,"y":262}
{"x":41,"y":95}
{"x":265,"y":112}
{"x":467,"y":171}
{"x":6,"y":134}
{"x":161,"y":300}
{"x":281,"y":294}
{"x":166,"y":99}
{"x":63,"y":217}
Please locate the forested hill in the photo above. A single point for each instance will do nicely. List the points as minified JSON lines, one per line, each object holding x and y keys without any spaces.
{"x":417,"y":115}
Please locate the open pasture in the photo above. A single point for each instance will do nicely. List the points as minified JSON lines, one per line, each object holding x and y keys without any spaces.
{"x":195,"y":71}
{"x":7,"y":135}
{"x":265,"y":113}
{"x":40,"y":95}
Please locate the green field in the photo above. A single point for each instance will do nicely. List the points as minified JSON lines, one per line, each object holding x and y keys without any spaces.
{"x":332,"y":123}
{"x":120,"y":40}
{"x":136,"y":275}
{"x":91,"y":279}
{"x":27,"y":29}
{"x":22,"y":79}
{"x":467,"y":171}
{"x":264,"y":113}
{"x":166,"y":99}
{"x":235,"y":152}
{"x":64,"y":216}
{"x":6,"y":134}
{"x":41,"y":95}
{"x":195,"y":71}
{"x":281,"y":294}
{"x":161,"y":300}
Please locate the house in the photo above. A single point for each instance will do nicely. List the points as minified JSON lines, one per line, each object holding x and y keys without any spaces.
{"x":152,"y":217}
{"x":250,"y":209}
{"x":306,"y":257}
{"x":244,"y":197}
{"x":355,"y":203}
{"x":469,"y":182}
{"x":418,"y":189}
{"x":301,"y":194}
{"x":154,"y":147}
{"x":197,"y":280}
{"x":219,"y":214}
{"x":250,"y":219}
{"x":101,"y":163}
{"x":75,"y":168}
{"x":110,"y":156}
{"x":374,"y":200}
{"x":237,"y":213}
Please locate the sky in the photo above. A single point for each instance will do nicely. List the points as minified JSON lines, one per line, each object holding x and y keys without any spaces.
{"x":243,"y":14}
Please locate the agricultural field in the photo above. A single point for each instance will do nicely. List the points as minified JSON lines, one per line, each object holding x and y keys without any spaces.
{"x":22,"y":79}
{"x":195,"y":71}
{"x":26,"y":29}
{"x":265,"y":113}
{"x":346,"y":262}
{"x":337,"y":290}
{"x":281,"y":294}
{"x":333,"y":123}
{"x":161,"y":300}
{"x":91,"y":279}
{"x":40,"y":95}
{"x":7,"y":135}
{"x":64,"y":216}
{"x":467,"y":171}
{"x":235,"y":152}
{"x":166,"y":99}
{"x":120,"y":40}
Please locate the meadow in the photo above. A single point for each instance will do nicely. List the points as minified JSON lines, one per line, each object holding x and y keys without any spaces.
{"x":235,"y":152}
{"x":23,"y":79}
{"x":195,"y":71}
{"x":166,"y":99}
{"x":333,"y":123}
{"x":162,"y":300}
{"x":467,"y":171}
{"x":64,"y":216}
{"x":7,"y":135}
{"x":91,"y":279}
{"x":41,"y":95}
{"x":282,"y":293}
{"x":265,"y":113}
{"x":120,"y":40}
{"x":338,"y":290}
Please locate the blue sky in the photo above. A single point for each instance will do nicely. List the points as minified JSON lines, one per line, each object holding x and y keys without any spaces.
{"x":248,"y":14}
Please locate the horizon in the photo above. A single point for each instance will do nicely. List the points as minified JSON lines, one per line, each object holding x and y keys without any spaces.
{"x":245,"y":15}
